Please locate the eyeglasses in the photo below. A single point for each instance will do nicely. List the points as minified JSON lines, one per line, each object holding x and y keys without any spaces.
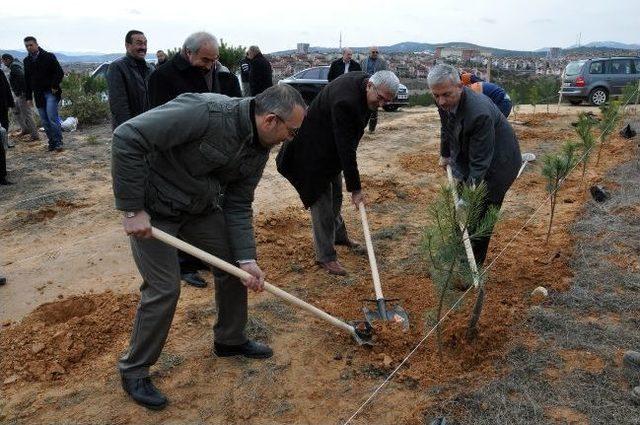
{"x":293,"y":132}
{"x":374,"y":51}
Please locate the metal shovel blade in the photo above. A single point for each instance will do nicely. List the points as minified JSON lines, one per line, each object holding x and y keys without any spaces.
{"x":362,"y":332}
{"x":387,"y":311}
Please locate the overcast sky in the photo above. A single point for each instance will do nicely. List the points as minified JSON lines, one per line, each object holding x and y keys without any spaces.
{"x":100,"y":25}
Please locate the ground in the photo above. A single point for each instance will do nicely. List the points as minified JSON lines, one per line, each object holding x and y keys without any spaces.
{"x":66,"y":312}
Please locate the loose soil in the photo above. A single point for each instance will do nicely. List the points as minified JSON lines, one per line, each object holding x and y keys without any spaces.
{"x":66,"y":312}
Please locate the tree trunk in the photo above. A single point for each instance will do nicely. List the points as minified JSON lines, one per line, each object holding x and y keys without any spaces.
{"x":553,"y":208}
{"x":472,"y":330}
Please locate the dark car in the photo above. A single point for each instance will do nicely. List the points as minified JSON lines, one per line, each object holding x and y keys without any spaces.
{"x":310,"y":81}
{"x":595,"y":80}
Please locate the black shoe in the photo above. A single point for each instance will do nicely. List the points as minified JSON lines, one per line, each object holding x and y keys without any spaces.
{"x":143,"y":392}
{"x":194,"y":279}
{"x":5,"y":182}
{"x":3,"y":280}
{"x":250,"y":349}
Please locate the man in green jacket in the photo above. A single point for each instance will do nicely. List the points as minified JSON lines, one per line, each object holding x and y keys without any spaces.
{"x":190,"y":167}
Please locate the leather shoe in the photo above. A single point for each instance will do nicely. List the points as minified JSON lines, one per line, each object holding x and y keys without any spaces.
{"x":250,"y":349}
{"x":194,"y":279}
{"x":333,"y":267}
{"x":3,"y":280}
{"x":350,"y":243}
{"x":143,"y":392}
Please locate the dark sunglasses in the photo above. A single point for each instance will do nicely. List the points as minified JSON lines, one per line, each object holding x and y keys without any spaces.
{"x":293,"y":132}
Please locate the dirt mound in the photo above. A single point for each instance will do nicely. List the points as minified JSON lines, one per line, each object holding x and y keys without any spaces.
{"x":525,"y":134}
{"x":45,"y":213}
{"x":61,"y":336}
{"x":419,"y":162}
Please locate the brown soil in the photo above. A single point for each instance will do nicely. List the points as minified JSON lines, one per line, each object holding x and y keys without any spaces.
{"x":317,"y":375}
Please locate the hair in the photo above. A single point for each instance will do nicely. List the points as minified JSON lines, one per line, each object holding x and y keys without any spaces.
{"x":129,"y":37}
{"x":30,"y":38}
{"x":254,"y":49}
{"x":195,"y":41}
{"x":346,"y":49}
{"x":385,"y":79}
{"x":280,"y":100}
{"x":7,"y":56}
{"x":442,"y":73}
{"x":160,"y":51}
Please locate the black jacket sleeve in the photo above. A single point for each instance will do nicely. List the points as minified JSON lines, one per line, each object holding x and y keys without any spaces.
{"x":56,"y":71}
{"x":345,"y":133}
{"x":334,"y":71}
{"x":118,"y":98}
{"x":159,"y":92}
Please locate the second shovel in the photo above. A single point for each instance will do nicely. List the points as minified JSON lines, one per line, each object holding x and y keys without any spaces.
{"x":385,"y":312}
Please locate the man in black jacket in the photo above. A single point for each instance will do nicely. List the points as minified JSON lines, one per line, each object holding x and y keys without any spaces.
{"x":260,"y":72}
{"x":43,"y":76}
{"x":477,"y":141}
{"x":325,"y":147}
{"x":343,"y":65}
{"x":128,"y":78}
{"x":6,"y":102}
{"x":195,"y":69}
{"x":22,"y":112}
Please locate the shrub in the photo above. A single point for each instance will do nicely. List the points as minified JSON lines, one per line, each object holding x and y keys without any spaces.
{"x":425,"y":99}
{"x":83,"y":98}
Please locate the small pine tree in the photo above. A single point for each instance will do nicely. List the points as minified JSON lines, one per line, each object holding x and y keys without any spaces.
{"x":534,"y":96}
{"x":610,"y":118}
{"x":230,"y":56}
{"x":443,"y":245}
{"x":555,"y":168}
{"x":515,"y":102}
{"x":587,"y":141}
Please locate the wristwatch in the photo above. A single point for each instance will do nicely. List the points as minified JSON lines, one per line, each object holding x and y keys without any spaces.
{"x":130,"y":214}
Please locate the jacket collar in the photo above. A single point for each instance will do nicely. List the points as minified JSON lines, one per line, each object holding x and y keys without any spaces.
{"x":134,"y":63}
{"x":180,"y":62}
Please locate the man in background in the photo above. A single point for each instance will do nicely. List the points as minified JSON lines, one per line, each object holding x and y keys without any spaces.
{"x":260,"y":72}
{"x":161,"y":57}
{"x":22,"y":111}
{"x":43,"y":75}
{"x":372,"y":64}
{"x":497,"y":94}
{"x":128,"y":80}
{"x":343,"y":65}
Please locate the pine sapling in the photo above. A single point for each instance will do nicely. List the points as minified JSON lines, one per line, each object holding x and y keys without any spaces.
{"x":610,"y":119}
{"x":555,"y":168}
{"x":587,"y":141}
{"x":534,"y":96}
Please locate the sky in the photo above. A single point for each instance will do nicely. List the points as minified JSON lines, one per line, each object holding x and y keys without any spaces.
{"x":100,"y":26}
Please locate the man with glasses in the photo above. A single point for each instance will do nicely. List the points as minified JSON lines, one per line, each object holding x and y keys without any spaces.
{"x":371,"y":65}
{"x":190,"y":168}
{"x":195,"y":69}
{"x":325,"y":147}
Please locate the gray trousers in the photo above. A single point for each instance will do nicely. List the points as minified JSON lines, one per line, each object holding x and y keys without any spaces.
{"x":326,"y":220}
{"x":24,"y":116}
{"x":246,"y":90}
{"x":158,"y":265}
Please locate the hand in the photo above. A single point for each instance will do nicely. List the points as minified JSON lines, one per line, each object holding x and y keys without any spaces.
{"x":357,"y":198}
{"x":443,"y":162}
{"x":256,"y":281}
{"x":139,"y":225}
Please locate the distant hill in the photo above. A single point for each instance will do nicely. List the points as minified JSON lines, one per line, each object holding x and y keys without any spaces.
{"x":71,"y":57}
{"x":607,"y":44}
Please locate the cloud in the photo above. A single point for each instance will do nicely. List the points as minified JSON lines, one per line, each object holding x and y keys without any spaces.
{"x":134,"y":12}
{"x":488,"y":20}
{"x":541,"y":21}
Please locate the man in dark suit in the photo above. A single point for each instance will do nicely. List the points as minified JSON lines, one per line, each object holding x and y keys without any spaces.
{"x":343,"y":65}
{"x":195,"y":69}
{"x":6,"y":102}
{"x":260,"y":71}
{"x":43,"y":75}
{"x":325,"y":147}
{"x":128,"y":80}
{"x":476,"y":140}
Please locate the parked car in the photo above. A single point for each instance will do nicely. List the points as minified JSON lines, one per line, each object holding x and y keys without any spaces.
{"x":310,"y":81}
{"x":595,"y":80}
{"x":101,"y":71}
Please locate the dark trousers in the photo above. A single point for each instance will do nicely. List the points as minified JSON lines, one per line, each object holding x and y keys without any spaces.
{"x":158,"y":265}
{"x":326,"y":220}
{"x":481,"y":245}
{"x":4,"y":133}
{"x":373,"y":120}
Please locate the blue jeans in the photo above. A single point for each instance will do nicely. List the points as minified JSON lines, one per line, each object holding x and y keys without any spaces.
{"x":50,"y":120}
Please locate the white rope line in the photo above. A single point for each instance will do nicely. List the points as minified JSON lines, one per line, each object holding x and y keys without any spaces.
{"x":375,"y":392}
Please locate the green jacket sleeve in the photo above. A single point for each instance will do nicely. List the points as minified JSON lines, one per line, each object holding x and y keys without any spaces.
{"x":178,"y":122}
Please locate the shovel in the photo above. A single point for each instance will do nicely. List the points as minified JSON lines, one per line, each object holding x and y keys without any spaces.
{"x":360,"y":330}
{"x":465,"y":234}
{"x":384,"y":312}
{"x":526,"y":158}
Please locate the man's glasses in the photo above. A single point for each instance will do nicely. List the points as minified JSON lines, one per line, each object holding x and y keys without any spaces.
{"x":293,"y":132}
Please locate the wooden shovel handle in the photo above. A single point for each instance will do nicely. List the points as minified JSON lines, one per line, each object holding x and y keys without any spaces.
{"x":238,"y":272}
{"x":465,"y":235}
{"x":372,"y":258}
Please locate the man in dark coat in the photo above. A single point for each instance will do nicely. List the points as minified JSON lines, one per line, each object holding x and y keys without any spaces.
{"x":477,"y":141}
{"x":22,"y":111}
{"x":43,"y":76}
{"x":6,"y":102}
{"x":260,"y":72}
{"x":128,"y":79}
{"x":343,"y":65}
{"x":190,"y":168}
{"x":325,"y":147}
{"x":195,"y":69}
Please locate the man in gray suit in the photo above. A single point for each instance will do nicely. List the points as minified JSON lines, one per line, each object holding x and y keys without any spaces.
{"x":476,"y":140}
{"x":372,"y":64}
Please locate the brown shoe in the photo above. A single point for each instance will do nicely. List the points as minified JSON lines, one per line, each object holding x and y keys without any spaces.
{"x":333,"y":267}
